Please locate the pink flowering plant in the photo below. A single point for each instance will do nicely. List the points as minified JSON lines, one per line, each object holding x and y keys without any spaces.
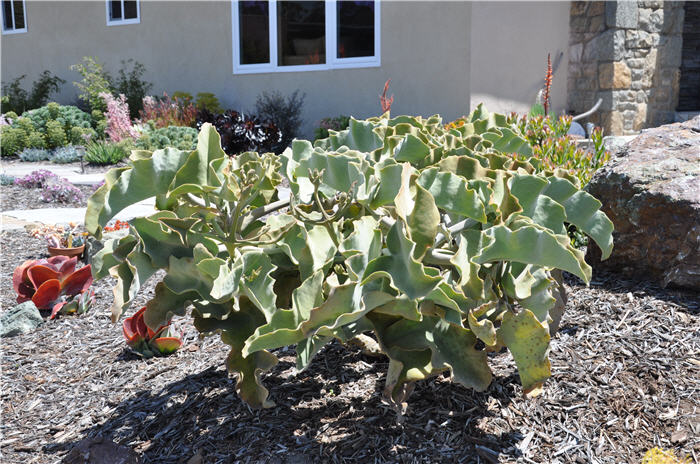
{"x":118,"y":122}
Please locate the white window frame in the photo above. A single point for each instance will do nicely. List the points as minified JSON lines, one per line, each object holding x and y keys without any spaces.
{"x":332,"y":59}
{"x":123,"y":22}
{"x":14,"y":30}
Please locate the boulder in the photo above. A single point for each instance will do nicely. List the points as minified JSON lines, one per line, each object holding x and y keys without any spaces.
{"x":100,"y":450}
{"x":23,"y":318}
{"x":650,"y":190}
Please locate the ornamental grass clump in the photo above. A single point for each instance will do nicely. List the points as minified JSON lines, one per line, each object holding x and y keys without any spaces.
{"x":434,"y":240}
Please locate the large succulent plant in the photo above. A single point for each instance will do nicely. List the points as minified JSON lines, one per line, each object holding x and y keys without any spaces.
{"x":433,"y":239}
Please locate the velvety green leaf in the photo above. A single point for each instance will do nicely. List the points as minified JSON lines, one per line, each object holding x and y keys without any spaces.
{"x":451,"y":193}
{"x":583,"y":211}
{"x":531,"y":245}
{"x":528,"y":341}
{"x":234,"y":331}
{"x":405,"y":273}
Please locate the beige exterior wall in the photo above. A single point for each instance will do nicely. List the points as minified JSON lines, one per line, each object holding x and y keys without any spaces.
{"x":509,"y":43}
{"x":187,"y":46}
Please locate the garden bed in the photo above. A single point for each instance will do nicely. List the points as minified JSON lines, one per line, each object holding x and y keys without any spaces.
{"x":626,"y":372}
{"x":16,"y":197}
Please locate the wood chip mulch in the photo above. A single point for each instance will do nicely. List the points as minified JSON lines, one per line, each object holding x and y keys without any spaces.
{"x":626,"y":378}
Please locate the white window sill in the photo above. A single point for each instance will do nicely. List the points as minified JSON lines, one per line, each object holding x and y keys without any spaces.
{"x":124,"y":22}
{"x":14,"y":31}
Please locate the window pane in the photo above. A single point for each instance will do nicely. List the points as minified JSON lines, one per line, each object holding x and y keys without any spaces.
{"x":7,"y":15}
{"x":254,"y":27}
{"x":115,"y":10}
{"x":301,"y":33}
{"x":130,"y":9}
{"x":19,"y":14}
{"x":355,"y":29}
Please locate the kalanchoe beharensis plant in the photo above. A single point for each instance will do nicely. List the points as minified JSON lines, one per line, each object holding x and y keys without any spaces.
{"x":54,"y":283}
{"x":146,"y":342}
{"x":432,"y":239}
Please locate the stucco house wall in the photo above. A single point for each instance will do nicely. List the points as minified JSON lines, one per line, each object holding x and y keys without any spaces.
{"x":187,"y":46}
{"x":442,"y":57}
{"x":509,"y":44}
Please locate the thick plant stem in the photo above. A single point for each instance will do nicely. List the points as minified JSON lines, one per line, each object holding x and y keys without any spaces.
{"x":261,"y":211}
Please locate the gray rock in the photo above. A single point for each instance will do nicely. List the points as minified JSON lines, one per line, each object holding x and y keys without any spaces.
{"x":21,"y":319}
{"x":99,"y":450}
{"x":650,"y":190}
{"x":621,"y":14}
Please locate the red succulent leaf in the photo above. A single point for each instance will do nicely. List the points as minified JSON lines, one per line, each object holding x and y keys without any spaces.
{"x":166,"y":345}
{"x":20,"y":279}
{"x":134,"y":328}
{"x":63,"y":264}
{"x":78,"y":281}
{"x":38,"y":274}
{"x":47,"y":294}
{"x":57,"y":309}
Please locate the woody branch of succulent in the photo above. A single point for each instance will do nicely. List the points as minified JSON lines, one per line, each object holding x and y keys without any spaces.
{"x":432,"y":239}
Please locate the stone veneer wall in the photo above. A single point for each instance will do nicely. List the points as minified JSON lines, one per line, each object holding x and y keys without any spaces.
{"x":629,"y":54}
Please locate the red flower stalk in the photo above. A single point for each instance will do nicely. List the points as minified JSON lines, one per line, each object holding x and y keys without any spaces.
{"x":547,"y":84}
{"x":386,"y":102}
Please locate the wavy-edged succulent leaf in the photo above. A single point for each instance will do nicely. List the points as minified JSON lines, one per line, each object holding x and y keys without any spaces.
{"x":528,"y":341}
{"x":583,"y":211}
{"x":234,"y":331}
{"x":147,"y":177}
{"x":531,"y":245}
{"x":404,"y":272}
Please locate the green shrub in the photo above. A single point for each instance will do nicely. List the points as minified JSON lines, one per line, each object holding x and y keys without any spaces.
{"x":104,"y":153}
{"x":12,"y":140}
{"x":19,"y":100}
{"x":6,"y":179}
{"x":34,"y":154}
{"x":182,"y":138}
{"x":55,"y":135}
{"x":67,"y":116}
{"x":95,"y":81}
{"x":11,"y":115}
{"x":130,"y":83}
{"x":208,"y":101}
{"x":326,"y":124}
{"x":184,"y":98}
{"x":36,"y":140}
{"x":436,"y":241}
{"x":68,"y":154}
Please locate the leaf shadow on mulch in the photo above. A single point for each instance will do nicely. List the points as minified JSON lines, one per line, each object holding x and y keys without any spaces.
{"x":316,"y":418}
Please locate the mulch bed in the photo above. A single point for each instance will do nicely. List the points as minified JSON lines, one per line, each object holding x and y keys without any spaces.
{"x":16,"y":197}
{"x":626,"y":377}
